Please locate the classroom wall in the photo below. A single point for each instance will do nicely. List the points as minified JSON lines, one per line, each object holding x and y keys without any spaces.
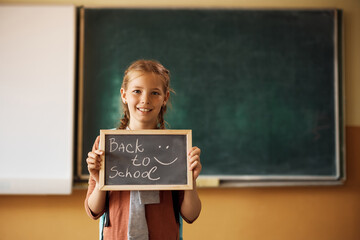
{"x":278,"y":213}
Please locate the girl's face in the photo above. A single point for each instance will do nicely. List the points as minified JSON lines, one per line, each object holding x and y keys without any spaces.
{"x":144,"y":96}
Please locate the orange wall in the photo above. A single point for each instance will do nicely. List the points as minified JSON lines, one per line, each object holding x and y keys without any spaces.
{"x":279,"y":213}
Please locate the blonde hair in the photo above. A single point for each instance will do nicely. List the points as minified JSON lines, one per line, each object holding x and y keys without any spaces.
{"x":146,"y":66}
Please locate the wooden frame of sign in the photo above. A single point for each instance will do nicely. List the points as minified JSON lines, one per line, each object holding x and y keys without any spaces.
{"x":145,"y":160}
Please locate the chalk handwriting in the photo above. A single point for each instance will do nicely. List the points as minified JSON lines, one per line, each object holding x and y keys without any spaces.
{"x":165,"y":164}
{"x":128,"y":148}
{"x":135,"y":148}
{"x":136,"y":174}
{"x":144,"y":162}
{"x":167,"y":147}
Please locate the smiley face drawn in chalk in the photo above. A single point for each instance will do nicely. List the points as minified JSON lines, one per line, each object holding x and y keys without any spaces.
{"x":162,"y":163}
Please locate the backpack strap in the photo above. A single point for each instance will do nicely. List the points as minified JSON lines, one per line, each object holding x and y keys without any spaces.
{"x":107,"y":212}
{"x":176,"y":205}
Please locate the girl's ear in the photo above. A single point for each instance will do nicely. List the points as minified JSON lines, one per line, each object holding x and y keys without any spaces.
{"x":123,"y":95}
{"x":167,"y":95}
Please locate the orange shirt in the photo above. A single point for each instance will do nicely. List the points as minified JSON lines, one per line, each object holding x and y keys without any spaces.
{"x":160,"y":217}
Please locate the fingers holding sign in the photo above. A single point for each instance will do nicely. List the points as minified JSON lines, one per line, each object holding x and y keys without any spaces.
{"x":194,"y":161}
{"x":94,"y":160}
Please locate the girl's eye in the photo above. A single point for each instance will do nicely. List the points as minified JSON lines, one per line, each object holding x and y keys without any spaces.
{"x":155,"y":93}
{"x":136,"y":91}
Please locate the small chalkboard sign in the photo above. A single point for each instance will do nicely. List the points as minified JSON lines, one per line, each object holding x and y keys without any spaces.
{"x":145,"y":160}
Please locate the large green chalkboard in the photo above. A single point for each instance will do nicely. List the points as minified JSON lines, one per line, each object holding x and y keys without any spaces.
{"x":261,"y":89}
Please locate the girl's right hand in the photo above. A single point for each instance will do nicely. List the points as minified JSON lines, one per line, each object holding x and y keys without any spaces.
{"x":94,"y":160}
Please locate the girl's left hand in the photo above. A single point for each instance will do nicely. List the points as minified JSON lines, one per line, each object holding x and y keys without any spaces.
{"x":194,"y":161}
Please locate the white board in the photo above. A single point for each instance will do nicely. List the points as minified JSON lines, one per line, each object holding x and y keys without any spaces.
{"x":37,"y":72}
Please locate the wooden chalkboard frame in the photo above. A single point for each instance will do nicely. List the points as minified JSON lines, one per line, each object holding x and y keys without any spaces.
{"x":105,"y":187}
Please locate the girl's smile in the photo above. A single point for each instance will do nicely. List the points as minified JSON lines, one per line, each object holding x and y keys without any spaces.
{"x":144,"y":110}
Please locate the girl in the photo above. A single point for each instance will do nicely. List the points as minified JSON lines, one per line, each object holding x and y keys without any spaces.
{"x":153,"y":215}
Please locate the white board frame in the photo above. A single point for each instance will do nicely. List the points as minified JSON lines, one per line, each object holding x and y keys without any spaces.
{"x":37,"y":89}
